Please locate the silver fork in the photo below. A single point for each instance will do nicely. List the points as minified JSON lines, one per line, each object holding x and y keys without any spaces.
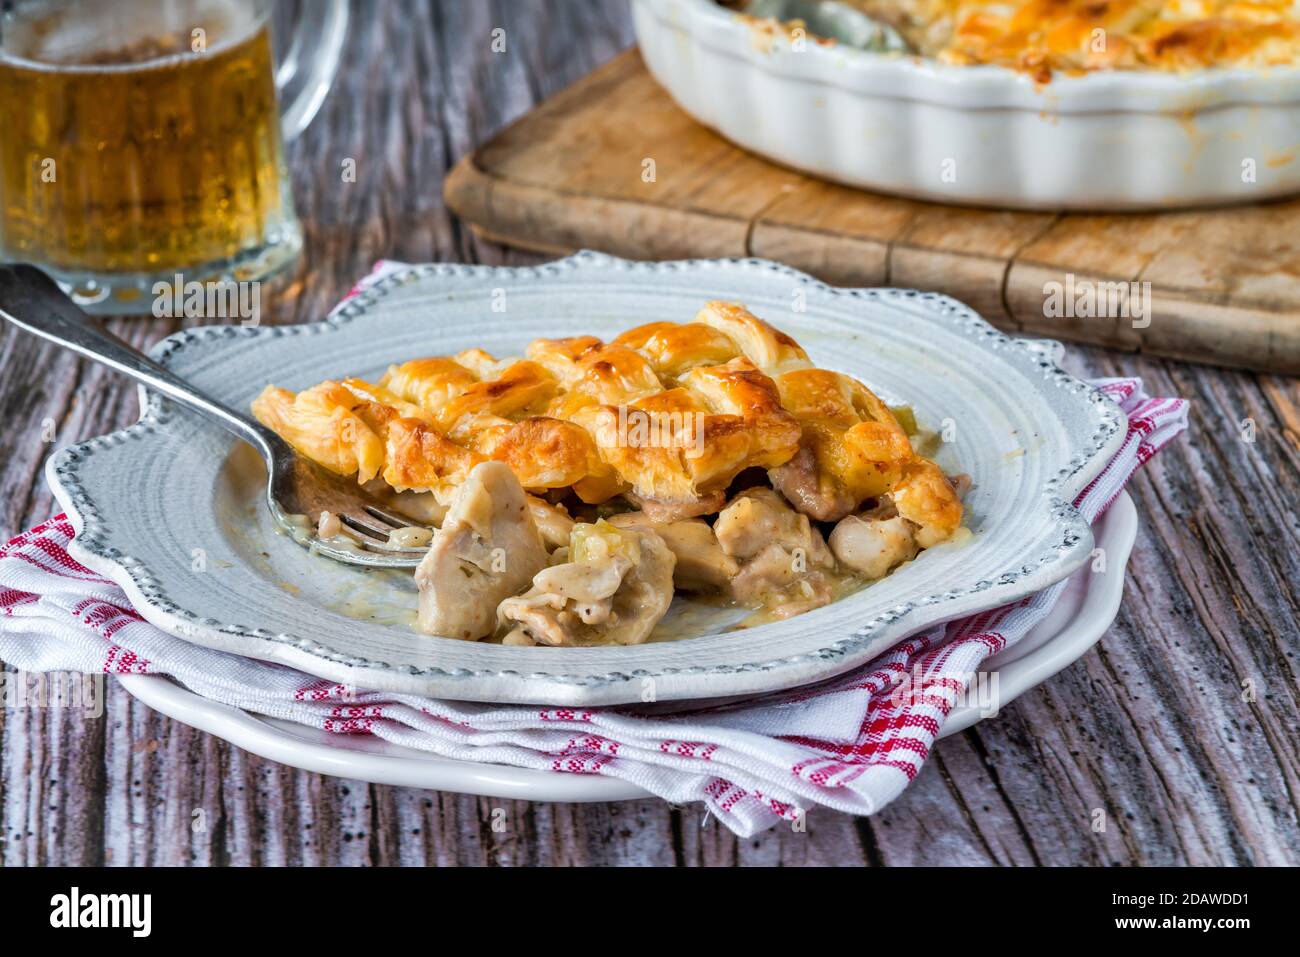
{"x":297,"y":490}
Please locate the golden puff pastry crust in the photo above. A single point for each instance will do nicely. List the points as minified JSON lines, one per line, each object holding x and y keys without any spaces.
{"x":666,"y":414}
{"x":673,"y":349}
{"x":683,"y":443}
{"x":458,"y":401}
{"x":322,"y":423}
{"x":858,"y":449}
{"x":1043,"y":37}
{"x":767,"y":347}
{"x":677,"y":410}
{"x":550,"y":453}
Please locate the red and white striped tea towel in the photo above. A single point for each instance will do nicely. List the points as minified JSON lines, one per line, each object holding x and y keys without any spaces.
{"x":853,"y":743}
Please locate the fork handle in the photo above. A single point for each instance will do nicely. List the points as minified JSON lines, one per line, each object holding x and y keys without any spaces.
{"x":32,"y":301}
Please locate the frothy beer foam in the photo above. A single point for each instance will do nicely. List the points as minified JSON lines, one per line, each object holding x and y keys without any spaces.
{"x":101,"y":36}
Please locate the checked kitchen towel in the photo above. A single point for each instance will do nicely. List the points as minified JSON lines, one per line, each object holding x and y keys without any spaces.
{"x":853,"y":743}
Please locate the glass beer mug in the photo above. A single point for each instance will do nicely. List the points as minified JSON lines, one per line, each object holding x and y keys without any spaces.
{"x":142,"y":140}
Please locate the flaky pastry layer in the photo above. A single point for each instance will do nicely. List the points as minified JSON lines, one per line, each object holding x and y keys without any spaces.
{"x":1041,"y":37}
{"x":666,"y":414}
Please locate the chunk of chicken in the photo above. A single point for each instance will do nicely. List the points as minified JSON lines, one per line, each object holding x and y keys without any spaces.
{"x":702,"y":565}
{"x":552,"y":521}
{"x":616,"y":587}
{"x":663,"y":512}
{"x":928,"y":500}
{"x":422,"y":507}
{"x":873,"y":543}
{"x":785,"y":566}
{"x":488,"y":549}
{"x":758,"y":517}
{"x":811,"y":490}
{"x":777,"y":581}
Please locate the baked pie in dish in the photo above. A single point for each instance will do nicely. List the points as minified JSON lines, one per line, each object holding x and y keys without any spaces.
{"x":1032,"y":104}
{"x":576,"y":488}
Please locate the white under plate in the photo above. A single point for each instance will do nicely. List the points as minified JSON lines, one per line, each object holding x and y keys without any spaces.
{"x":170,"y":508}
{"x":1085,"y":610}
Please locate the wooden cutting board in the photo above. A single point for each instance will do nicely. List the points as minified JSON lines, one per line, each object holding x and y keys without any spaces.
{"x":612,"y":164}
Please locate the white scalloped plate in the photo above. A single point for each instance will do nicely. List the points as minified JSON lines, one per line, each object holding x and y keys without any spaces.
{"x":1080,"y":617}
{"x":171,"y":494}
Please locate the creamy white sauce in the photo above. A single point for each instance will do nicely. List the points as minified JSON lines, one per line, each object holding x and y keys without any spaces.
{"x":410,"y":537}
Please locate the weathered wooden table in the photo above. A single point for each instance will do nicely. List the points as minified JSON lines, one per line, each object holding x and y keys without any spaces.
{"x":1181,"y":726}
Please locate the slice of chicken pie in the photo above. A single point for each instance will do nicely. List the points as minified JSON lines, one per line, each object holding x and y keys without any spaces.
{"x":579,"y":485}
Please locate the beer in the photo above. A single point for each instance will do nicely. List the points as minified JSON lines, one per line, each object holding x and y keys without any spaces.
{"x":142,"y":146}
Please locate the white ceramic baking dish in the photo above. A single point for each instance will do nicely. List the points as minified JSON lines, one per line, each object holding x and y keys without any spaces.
{"x":980,"y":134}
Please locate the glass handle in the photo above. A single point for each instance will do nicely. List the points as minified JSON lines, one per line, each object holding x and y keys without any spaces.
{"x":305,"y":75}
